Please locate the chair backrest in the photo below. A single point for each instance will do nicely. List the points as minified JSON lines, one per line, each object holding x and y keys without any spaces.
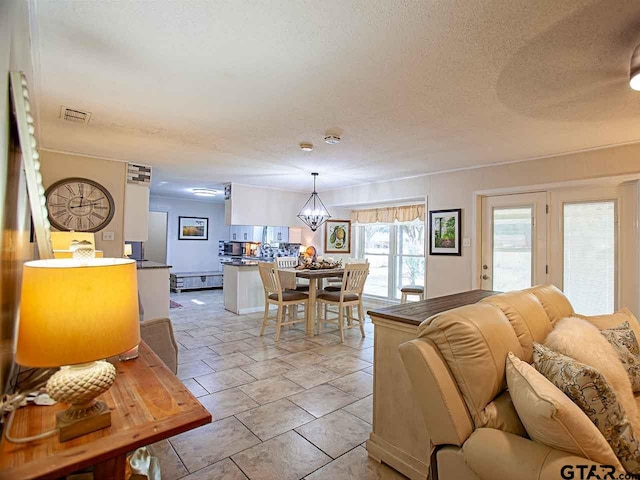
{"x":354,"y":277}
{"x":269,"y":276}
{"x":287,"y":262}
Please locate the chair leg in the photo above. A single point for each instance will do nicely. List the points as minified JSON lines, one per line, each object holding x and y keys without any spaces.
{"x":279,"y":322}
{"x":361,"y":318}
{"x":341,"y":322}
{"x":349,"y":316}
{"x":266,"y":315}
{"x":319,"y":317}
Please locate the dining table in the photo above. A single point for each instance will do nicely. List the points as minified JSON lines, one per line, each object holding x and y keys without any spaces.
{"x":315,"y":277}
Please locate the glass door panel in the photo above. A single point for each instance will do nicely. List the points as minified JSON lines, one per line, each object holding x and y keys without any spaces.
{"x":512,"y":248}
{"x":589,"y":260}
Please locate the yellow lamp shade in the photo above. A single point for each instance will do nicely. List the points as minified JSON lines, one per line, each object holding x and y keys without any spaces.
{"x":74,"y":313}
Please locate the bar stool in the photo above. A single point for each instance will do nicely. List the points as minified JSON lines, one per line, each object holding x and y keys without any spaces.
{"x":411,"y":290}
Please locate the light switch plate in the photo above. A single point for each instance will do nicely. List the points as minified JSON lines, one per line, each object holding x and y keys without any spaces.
{"x":108,"y":236}
{"x":466,"y":242}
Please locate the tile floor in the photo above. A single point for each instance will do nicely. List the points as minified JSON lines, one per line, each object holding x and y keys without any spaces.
{"x":301,"y":408}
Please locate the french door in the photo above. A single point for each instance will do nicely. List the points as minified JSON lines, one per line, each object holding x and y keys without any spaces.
{"x":514,"y":241}
{"x":584,"y":249}
{"x":583,"y":240}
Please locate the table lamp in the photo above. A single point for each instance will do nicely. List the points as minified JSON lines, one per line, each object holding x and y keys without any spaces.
{"x":75,"y":315}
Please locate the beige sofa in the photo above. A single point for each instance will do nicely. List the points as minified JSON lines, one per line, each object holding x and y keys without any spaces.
{"x":457,"y":369}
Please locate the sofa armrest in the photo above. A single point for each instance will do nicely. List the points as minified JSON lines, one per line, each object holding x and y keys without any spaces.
{"x":443,"y":409}
{"x":496,"y":455}
{"x":158,"y":334}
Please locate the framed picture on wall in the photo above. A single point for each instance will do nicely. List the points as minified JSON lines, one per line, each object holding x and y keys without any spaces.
{"x":193,"y":228}
{"x":337,"y":236}
{"x":444,"y":238}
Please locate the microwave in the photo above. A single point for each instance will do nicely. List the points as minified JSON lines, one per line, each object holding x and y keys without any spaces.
{"x":234,"y":249}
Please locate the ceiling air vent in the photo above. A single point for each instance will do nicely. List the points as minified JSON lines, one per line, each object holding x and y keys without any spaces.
{"x":74,"y":116}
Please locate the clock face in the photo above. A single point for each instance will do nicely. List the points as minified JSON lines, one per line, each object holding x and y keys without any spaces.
{"x":79,"y":204}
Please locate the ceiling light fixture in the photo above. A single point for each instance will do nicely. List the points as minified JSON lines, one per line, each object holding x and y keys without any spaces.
{"x":204,"y":192}
{"x":332,"y":139}
{"x":634,"y":72}
{"x":306,"y":146}
{"x":314,"y":213}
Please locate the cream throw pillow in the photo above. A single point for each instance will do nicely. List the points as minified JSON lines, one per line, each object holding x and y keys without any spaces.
{"x":578,"y":339}
{"x":551,"y":418}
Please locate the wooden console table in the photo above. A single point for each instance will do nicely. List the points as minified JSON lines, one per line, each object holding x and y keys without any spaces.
{"x":400,"y":438}
{"x":148,"y":404}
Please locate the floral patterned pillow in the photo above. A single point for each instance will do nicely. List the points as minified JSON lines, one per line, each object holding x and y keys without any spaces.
{"x":624,"y":341}
{"x":590,"y":391}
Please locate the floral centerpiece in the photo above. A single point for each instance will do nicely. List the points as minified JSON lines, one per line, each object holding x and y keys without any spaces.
{"x":320,"y":263}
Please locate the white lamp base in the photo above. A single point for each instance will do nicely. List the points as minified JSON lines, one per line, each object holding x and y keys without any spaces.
{"x":80,"y":385}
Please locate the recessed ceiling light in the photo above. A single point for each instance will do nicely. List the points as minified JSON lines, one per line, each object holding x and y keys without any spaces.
{"x":306,"y":146}
{"x":204,"y":192}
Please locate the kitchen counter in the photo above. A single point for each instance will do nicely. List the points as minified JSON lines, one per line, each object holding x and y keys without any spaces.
{"x":153,"y":289}
{"x":243,"y":291}
{"x":144,"y":264}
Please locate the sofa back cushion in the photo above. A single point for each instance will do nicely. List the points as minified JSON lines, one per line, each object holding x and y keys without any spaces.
{"x":474,"y":341}
{"x":527,"y":317}
{"x":553,"y":301}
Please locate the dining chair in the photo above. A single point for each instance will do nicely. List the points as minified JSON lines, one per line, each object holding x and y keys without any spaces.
{"x":292,"y":262}
{"x":274,"y":294}
{"x":349,"y":296}
{"x":335,"y":283}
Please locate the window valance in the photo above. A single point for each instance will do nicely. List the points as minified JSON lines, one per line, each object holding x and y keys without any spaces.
{"x":406,"y":213}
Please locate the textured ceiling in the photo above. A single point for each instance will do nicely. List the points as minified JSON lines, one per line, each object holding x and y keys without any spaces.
{"x":215,"y":91}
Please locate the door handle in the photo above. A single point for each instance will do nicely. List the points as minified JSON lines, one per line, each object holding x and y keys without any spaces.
{"x":484,"y":267}
{"x":486,"y":277}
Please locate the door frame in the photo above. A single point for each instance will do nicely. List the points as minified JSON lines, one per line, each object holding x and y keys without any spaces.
{"x":629,"y":238}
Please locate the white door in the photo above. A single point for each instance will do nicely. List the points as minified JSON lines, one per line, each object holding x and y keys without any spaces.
{"x":584,"y":244}
{"x":514,"y":241}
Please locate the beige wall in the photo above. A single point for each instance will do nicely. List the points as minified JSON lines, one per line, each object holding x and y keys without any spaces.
{"x":447,"y":275}
{"x":110,"y":174}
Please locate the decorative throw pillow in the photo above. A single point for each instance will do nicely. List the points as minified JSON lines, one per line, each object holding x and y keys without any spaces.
{"x":624,"y":341}
{"x":583,"y":342}
{"x":551,"y":418}
{"x":589,"y":390}
{"x":613,"y":320}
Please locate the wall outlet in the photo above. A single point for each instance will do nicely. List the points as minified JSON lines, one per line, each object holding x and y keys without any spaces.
{"x":466,"y":242}
{"x":108,"y":236}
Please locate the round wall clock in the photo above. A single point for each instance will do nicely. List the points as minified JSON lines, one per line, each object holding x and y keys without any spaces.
{"x":79,"y":204}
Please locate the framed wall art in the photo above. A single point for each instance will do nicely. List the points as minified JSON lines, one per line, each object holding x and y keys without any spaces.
{"x":337,"y":236}
{"x":193,"y":228}
{"x":445,"y":230}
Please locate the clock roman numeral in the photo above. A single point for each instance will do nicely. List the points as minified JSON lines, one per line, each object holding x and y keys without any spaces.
{"x":70,"y":189}
{"x":67,"y":221}
{"x":97,"y":215}
{"x":100,"y":207}
{"x":81,"y":189}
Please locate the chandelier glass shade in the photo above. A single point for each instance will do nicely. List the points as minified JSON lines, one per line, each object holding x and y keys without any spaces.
{"x":314,"y":213}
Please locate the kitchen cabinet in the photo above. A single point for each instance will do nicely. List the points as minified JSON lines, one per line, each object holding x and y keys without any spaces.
{"x":277,"y":235}
{"x":254,"y":233}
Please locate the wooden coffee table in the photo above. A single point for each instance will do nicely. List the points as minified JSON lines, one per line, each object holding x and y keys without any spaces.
{"x":148,"y":404}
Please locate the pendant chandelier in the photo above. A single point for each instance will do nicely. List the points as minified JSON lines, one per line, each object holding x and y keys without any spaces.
{"x":314,"y":213}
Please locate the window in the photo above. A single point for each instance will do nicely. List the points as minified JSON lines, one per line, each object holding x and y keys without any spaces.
{"x":396,"y":256}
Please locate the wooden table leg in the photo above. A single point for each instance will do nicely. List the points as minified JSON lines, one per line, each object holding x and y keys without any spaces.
{"x":112,"y":469}
{"x":311,"y":318}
